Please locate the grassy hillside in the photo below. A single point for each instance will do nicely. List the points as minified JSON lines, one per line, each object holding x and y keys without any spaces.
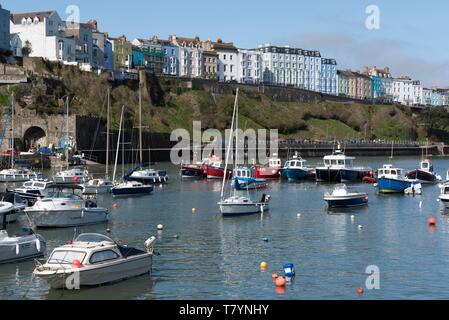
{"x":165,"y":109}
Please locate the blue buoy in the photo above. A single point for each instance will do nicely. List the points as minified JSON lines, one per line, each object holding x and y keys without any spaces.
{"x":289,"y":270}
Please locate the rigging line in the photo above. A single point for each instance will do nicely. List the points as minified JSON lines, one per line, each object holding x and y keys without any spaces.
{"x":98,"y":128}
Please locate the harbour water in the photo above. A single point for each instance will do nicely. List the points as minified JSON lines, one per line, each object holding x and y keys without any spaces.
{"x":206,"y":256}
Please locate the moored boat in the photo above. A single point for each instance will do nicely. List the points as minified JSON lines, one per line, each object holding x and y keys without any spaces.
{"x":295,"y":169}
{"x":18,"y":175}
{"x":244,"y":180}
{"x":238,"y":205}
{"x":34,"y":189}
{"x":425,"y":174}
{"x":341,"y":197}
{"x":215,"y":170}
{"x":97,"y":186}
{"x":129,"y":188}
{"x":272,"y":171}
{"x":392,"y":180}
{"x":23,"y":245}
{"x":444,"y":194}
{"x":339,"y":168}
{"x":71,"y":176}
{"x":95,"y":260}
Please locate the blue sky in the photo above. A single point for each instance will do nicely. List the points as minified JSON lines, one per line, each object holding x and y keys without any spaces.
{"x":411,"y":39}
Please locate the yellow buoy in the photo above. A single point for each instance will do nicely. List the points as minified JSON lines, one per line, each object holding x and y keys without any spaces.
{"x":193,"y":210}
{"x":263,"y":266}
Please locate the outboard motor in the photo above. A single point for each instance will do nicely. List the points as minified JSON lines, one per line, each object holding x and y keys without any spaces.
{"x":149,"y":244}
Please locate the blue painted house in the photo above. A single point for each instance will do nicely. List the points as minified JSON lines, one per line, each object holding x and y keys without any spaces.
{"x":108,"y":55}
{"x":171,"y":58}
{"x":138,"y":57}
{"x":382,"y":83}
{"x":328,"y":76}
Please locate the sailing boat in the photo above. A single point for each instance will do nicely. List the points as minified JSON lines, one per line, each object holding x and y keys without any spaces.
{"x":139,"y":173}
{"x":236,"y":204}
{"x":101,"y":186}
{"x":70,"y":176}
{"x":16,"y":174}
{"x":127,"y":187}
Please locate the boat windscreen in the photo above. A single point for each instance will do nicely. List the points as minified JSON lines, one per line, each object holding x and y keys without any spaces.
{"x":93,"y":237}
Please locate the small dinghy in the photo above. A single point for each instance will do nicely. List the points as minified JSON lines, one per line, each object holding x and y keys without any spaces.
{"x":341,"y":197}
{"x":92,"y":260}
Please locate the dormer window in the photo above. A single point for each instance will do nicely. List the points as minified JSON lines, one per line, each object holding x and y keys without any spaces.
{"x":36,"y":20}
{"x":29,"y":21}
{"x":24,"y":21}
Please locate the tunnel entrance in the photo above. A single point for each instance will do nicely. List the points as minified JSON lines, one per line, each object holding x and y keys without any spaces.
{"x":34,"y":137}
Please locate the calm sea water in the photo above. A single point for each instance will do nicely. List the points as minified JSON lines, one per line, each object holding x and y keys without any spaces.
{"x":206,"y":256}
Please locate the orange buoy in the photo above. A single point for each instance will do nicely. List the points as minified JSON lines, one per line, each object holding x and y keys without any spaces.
{"x":76,"y":264}
{"x":360,"y":291}
{"x":432,"y":222}
{"x":114,"y":206}
{"x":281,"y":282}
{"x":264,"y":266}
{"x":275,"y":276}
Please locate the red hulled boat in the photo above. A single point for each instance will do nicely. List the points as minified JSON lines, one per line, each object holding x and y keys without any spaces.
{"x":272,"y":171}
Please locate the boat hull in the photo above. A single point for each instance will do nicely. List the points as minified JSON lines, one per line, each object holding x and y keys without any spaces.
{"x":347,"y":201}
{"x":17,"y":177}
{"x":422,"y":176}
{"x":232,"y":209}
{"x":389,"y":185}
{"x":27,"y":249}
{"x":295,"y":174}
{"x":249,"y":184}
{"x":132,"y":191}
{"x":101,"y":274}
{"x":69,"y":180}
{"x":192,"y":172}
{"x":216,"y":173}
{"x":444,"y":199}
{"x":67,"y":218}
{"x":267,"y":172}
{"x":97,"y":189}
{"x":341,"y":175}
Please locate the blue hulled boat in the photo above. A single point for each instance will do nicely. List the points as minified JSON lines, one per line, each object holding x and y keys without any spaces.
{"x":391,"y":180}
{"x":243,"y":180}
{"x":130,"y":188}
{"x":340,"y":197}
{"x":295,"y":169}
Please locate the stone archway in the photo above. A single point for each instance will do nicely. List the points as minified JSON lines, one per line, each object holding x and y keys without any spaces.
{"x":34,"y":137}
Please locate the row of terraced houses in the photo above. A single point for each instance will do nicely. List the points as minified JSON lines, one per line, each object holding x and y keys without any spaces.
{"x":46,"y":35}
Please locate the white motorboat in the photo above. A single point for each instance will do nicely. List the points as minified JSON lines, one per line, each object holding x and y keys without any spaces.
{"x":97,"y":186}
{"x":71,"y":176}
{"x":341,"y":197}
{"x":148,"y":176}
{"x":18,"y":175}
{"x":444,"y":194}
{"x":62,"y":209}
{"x":24,"y":245}
{"x":18,"y":205}
{"x":92,"y":260}
{"x":34,"y":189}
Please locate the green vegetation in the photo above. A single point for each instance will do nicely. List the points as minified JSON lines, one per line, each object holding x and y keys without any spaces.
{"x":167,"y":106}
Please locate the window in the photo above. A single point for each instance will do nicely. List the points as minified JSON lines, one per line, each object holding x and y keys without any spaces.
{"x":66,"y":257}
{"x":102,"y":256}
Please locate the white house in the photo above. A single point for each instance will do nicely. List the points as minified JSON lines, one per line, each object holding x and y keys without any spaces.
{"x":418,"y":98}
{"x":4,"y":29}
{"x":250,"y":66}
{"x":403,"y":91}
{"x":43,"y":32}
{"x":190,"y":56}
{"x":228,"y":63}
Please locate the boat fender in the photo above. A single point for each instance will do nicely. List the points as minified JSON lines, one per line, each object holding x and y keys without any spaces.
{"x":38,"y":245}
{"x":149,"y":244}
{"x":17,"y":249}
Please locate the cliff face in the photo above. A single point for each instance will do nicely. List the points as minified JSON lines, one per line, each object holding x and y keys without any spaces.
{"x":167,"y":107}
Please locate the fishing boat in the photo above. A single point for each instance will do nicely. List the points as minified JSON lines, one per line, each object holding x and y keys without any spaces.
{"x":244,"y":180}
{"x":272,"y":171}
{"x":71,"y":176}
{"x":34,"y":189}
{"x":425,"y":174}
{"x":295,"y":169}
{"x":444,"y":194}
{"x":97,"y":260}
{"x":216,"y":170}
{"x":192,"y":170}
{"x":127,"y":188}
{"x":63,"y":208}
{"x":339,"y":168}
{"x":102,"y":185}
{"x":341,"y":197}
{"x":237,"y":204}
{"x":23,"y":245}
{"x":392,"y":180}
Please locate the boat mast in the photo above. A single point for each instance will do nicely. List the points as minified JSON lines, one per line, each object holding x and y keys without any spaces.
{"x":236,"y":138}
{"x":231,"y":134}
{"x":107,"y":136}
{"x":118,"y":144}
{"x":12,"y":129}
{"x":140,"y":123}
{"x":67,"y":133}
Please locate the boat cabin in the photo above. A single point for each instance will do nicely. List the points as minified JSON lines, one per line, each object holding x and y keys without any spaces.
{"x":338,"y":160}
{"x":274,"y":162}
{"x":243,"y":173}
{"x":295,"y":164}
{"x":426,"y":165}
{"x":389,"y":172}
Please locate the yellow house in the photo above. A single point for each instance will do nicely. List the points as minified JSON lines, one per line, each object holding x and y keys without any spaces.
{"x":123,"y":53}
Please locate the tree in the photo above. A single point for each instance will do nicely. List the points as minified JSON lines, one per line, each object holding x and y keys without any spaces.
{"x":27,"y":49}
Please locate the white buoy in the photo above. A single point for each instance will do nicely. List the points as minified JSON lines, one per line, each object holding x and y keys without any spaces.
{"x":360,"y":227}
{"x":160,"y":227}
{"x":298,"y":215}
